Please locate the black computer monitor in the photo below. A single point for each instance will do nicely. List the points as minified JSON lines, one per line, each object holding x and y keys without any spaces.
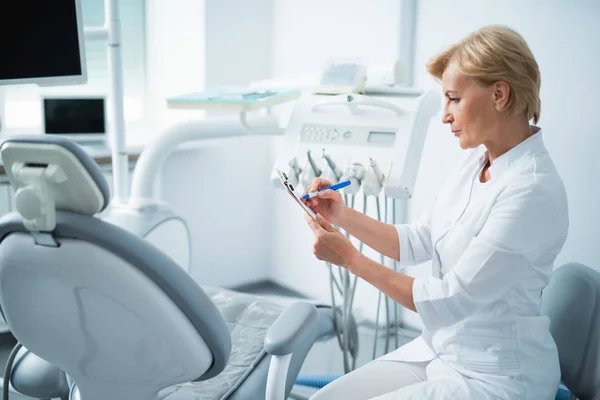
{"x":42,"y":42}
{"x":82,"y":119}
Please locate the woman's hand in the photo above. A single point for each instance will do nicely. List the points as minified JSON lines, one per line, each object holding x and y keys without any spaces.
{"x":330,"y":245}
{"x":328,"y":203}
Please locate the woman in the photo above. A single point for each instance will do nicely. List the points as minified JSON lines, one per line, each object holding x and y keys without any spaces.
{"x":492,"y":234}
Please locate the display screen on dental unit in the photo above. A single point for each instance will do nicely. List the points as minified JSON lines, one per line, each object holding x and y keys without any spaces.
{"x":386,"y":138}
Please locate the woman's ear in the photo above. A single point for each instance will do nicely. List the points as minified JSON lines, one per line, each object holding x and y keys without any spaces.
{"x":501,"y":92}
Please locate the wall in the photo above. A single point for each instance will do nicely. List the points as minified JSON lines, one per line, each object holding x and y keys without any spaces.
{"x":175,"y":59}
{"x":239,"y":41}
{"x":195,"y":45}
{"x":309,"y":33}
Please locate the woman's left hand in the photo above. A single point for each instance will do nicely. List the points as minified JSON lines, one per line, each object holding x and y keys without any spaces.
{"x":330,"y":245}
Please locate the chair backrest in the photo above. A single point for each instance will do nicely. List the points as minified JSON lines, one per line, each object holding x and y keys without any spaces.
{"x":115,"y":313}
{"x":572,"y":302}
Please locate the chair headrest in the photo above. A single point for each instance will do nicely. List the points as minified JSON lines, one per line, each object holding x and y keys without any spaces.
{"x":52,"y":174}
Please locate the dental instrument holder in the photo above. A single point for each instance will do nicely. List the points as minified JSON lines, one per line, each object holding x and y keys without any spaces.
{"x":309,"y":172}
{"x":355,"y":173}
{"x":294,"y":172}
{"x":331,"y":171}
{"x":390,"y":129}
{"x":374,"y":179}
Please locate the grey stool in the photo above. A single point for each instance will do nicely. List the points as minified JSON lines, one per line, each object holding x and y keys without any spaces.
{"x":572,"y":302}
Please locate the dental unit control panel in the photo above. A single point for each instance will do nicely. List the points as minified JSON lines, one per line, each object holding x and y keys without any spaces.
{"x":376,"y":141}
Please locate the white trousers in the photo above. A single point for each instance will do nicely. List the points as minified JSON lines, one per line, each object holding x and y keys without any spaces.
{"x":398,"y":380}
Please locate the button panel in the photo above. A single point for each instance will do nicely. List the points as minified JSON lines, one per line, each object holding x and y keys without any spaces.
{"x":348,"y":135}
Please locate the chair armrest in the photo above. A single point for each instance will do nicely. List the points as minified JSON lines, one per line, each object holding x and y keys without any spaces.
{"x":291,"y":329}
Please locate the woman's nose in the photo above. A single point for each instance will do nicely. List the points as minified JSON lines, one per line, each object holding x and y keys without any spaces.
{"x":447,"y":118}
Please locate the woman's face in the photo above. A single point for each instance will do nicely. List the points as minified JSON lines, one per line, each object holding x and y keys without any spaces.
{"x":469,"y":107}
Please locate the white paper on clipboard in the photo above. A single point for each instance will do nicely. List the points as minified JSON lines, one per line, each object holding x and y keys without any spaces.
{"x":288,"y":187}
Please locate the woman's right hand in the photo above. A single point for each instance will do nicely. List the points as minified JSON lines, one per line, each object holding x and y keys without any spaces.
{"x":328,"y":203}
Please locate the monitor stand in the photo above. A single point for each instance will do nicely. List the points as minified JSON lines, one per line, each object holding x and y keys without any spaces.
{"x":86,"y":140}
{"x":94,"y":143}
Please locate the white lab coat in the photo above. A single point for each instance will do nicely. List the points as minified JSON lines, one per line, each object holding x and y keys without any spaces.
{"x":492,"y":248}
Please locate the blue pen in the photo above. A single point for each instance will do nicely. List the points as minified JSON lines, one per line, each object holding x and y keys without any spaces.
{"x":332,"y":187}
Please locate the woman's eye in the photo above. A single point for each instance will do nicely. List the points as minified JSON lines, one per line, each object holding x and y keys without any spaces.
{"x":453,"y":99}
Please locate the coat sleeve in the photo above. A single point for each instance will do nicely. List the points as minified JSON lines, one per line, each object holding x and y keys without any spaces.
{"x":415,"y":240}
{"x":523,"y":225}
{"x":416,"y":245}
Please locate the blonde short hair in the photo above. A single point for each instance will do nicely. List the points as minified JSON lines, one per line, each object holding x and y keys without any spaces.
{"x":497,"y":53}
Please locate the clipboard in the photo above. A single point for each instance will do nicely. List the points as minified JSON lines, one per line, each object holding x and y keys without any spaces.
{"x":290,"y":189}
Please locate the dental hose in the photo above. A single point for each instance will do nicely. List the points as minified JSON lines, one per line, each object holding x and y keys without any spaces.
{"x":346,"y":331}
{"x":336,"y":326}
{"x":386,"y":298}
{"x":396,"y":327}
{"x":350,"y":323}
{"x":389,"y":325}
{"x":379,"y":294}
{"x":345,"y":319}
{"x":395,"y":324}
{"x":8,"y":370}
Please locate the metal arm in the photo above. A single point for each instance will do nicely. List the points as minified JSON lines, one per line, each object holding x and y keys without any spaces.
{"x":152,"y":158}
{"x":115,"y":64}
{"x":111,"y":32}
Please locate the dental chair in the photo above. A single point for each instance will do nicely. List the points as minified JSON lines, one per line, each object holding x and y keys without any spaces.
{"x":102,"y":314}
{"x":572,"y":302}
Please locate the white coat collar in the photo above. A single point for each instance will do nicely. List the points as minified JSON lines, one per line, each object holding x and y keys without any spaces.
{"x":503,"y":163}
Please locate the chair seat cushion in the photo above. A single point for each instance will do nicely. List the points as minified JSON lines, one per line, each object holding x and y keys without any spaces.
{"x":248,"y":318}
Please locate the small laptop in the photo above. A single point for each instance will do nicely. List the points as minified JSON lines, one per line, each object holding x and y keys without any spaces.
{"x":82,"y":119}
